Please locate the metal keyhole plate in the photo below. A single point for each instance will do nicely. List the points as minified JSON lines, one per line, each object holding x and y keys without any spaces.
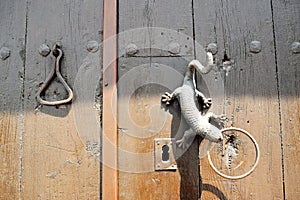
{"x":163,"y":154}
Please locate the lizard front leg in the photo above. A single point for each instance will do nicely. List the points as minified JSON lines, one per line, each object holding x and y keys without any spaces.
{"x":205,"y":102}
{"x":168,"y":98}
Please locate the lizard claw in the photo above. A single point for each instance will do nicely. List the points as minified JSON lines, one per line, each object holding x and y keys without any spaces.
{"x":207,"y":103}
{"x":181,"y":143}
{"x":221,"y":119}
{"x":166,"y":98}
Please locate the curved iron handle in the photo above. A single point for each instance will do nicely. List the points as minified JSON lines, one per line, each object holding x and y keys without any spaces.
{"x":57,"y":54}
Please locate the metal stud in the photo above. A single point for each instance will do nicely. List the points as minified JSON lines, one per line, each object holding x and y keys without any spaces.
{"x":213,"y":48}
{"x":92,"y":46}
{"x":174,"y":48}
{"x":131,"y":49}
{"x":295,"y":47}
{"x":255,"y":46}
{"x":44,"y":49}
{"x":4,"y":53}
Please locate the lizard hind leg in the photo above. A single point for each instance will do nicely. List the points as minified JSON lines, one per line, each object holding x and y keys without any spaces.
{"x":203,"y":101}
{"x":185,"y":141}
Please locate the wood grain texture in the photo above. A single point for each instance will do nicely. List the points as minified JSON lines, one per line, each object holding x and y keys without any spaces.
{"x":160,"y":25}
{"x":251,"y":91}
{"x":143,"y":78}
{"x":287,"y":31}
{"x":12,"y":36}
{"x":56,"y":163}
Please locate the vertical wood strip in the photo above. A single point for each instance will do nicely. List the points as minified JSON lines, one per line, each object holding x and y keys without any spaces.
{"x":286,"y":16}
{"x":109,"y":137}
{"x":12,"y":36}
{"x":156,"y":67}
{"x":56,"y":162}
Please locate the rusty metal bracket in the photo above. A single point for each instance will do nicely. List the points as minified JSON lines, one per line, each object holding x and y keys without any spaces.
{"x":163,"y":154}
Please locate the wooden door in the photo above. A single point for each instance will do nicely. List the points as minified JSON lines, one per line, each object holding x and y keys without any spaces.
{"x":142,"y":49}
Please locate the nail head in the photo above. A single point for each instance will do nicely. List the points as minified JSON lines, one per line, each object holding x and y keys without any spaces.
{"x":255,"y":46}
{"x":44,"y":49}
{"x":295,"y":47}
{"x":4,"y":53}
{"x":213,"y":48}
{"x":92,"y":46}
{"x":131,"y":49}
{"x":174,"y":48}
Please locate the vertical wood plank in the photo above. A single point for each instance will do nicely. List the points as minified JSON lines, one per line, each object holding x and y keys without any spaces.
{"x":156,"y":29}
{"x":12,"y":36}
{"x":109,"y":133}
{"x":56,"y":163}
{"x":287,"y":33}
{"x":251,"y":91}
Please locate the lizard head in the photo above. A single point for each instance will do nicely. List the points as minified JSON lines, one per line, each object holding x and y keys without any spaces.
{"x":214,"y":134}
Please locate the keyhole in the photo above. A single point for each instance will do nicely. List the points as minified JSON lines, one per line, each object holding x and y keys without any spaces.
{"x":165,"y":153}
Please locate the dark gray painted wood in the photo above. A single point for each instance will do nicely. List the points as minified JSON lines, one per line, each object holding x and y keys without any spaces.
{"x":12,"y":36}
{"x":175,"y":18}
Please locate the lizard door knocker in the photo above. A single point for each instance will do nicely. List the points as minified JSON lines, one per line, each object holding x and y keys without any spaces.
{"x":199,"y":121}
{"x":188,"y":95}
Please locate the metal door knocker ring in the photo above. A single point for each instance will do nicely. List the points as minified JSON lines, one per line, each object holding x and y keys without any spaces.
{"x":57,"y":55}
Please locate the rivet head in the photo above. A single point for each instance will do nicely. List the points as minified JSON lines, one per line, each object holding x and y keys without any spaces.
{"x":131,"y":49}
{"x":295,"y":47}
{"x":44,"y":49}
{"x":174,"y":48}
{"x":213,"y":48}
{"x":4,"y":53}
{"x":92,"y":46}
{"x":255,"y":46}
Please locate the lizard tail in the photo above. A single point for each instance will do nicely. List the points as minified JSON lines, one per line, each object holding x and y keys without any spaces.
{"x":195,"y":64}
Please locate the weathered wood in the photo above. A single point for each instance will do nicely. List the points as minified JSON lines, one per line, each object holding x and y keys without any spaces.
{"x":12,"y":36}
{"x":56,"y":164}
{"x":251,"y":91}
{"x":287,"y":31}
{"x":109,"y":133}
{"x":147,"y":16}
{"x":42,"y":154}
{"x":141,"y":119}
{"x":144,"y":75}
